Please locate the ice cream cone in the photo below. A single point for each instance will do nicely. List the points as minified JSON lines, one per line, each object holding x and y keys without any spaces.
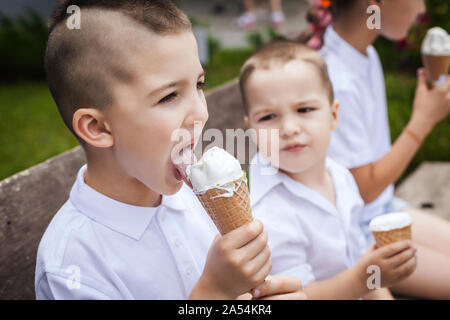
{"x":383,"y":238}
{"x":436,"y":54}
{"x":436,"y":66}
{"x":228,"y":210}
{"x":391,"y":227}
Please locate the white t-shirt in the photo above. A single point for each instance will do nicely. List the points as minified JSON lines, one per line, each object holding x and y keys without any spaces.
{"x":309,"y":237}
{"x":363,"y":134}
{"x":98,"y":248}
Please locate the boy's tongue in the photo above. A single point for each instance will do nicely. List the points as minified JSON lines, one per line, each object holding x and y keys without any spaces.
{"x":183,"y":161}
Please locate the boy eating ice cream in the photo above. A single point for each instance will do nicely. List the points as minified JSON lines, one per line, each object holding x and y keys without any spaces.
{"x":123,"y":83}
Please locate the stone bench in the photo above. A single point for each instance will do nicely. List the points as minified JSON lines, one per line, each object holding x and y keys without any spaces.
{"x":29,"y":200}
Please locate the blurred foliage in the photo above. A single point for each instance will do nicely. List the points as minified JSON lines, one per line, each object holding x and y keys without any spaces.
{"x":405,"y":55}
{"x":22,"y":46}
{"x":256,"y":39}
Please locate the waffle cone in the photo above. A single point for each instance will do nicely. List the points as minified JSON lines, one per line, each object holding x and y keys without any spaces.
{"x":436,"y":66}
{"x":228,"y":213}
{"x":383,"y":238}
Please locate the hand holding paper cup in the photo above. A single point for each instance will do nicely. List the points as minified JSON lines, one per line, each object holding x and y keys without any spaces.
{"x":390,"y":228}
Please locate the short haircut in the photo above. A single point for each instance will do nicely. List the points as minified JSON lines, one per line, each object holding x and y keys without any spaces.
{"x":281,"y":51}
{"x":82,"y":65}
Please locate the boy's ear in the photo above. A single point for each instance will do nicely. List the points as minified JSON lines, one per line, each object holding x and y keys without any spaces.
{"x":334,"y":115}
{"x":91,"y":126}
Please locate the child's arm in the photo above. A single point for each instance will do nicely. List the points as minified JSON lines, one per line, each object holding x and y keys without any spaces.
{"x":396,"y":262}
{"x":236,"y":263}
{"x":430,"y":107}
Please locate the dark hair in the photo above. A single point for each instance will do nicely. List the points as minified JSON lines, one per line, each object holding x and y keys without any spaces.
{"x":319,"y":16}
{"x":83,"y":65}
{"x":281,"y":50}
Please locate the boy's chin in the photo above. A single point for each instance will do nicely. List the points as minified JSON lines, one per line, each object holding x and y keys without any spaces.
{"x":395,"y":36}
{"x":172,"y":188}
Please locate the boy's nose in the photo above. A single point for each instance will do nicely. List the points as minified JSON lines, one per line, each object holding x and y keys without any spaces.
{"x":198,"y":111}
{"x":289,"y":128}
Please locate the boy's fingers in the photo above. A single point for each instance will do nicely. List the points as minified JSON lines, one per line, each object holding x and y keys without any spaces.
{"x":262,"y":273}
{"x":421,"y":79}
{"x":394,"y":248}
{"x":259,"y":261}
{"x":402,"y":257}
{"x":406,"y":269}
{"x":254,"y":247}
{"x":241,"y":236}
{"x":245,"y":296}
{"x":277,"y":285}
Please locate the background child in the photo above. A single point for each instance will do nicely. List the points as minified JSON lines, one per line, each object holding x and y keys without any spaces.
{"x":362,"y":142}
{"x":310,"y":208}
{"x":123,"y":83}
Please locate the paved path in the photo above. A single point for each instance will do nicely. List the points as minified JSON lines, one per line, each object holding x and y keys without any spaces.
{"x":428,"y":188}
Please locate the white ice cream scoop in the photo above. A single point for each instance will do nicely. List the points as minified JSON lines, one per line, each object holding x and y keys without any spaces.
{"x":216,"y":168}
{"x":436,"y":42}
{"x":390,"y":221}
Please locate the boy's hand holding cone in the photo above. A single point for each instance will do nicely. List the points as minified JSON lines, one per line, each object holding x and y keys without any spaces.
{"x":239,"y":260}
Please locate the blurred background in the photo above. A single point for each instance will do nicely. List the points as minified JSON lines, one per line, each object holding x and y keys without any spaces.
{"x":31,"y":130}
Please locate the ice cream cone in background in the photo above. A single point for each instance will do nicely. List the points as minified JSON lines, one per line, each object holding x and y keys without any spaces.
{"x":436,"y":54}
{"x":391,"y":227}
{"x":221,"y":186}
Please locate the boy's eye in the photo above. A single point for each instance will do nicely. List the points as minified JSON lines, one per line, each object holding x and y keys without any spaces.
{"x":168,"y":98}
{"x":268,"y":117}
{"x":201,"y":85}
{"x":304,"y":110}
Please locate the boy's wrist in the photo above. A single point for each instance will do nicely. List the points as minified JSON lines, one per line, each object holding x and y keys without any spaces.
{"x":205,"y":289}
{"x":360,"y":278}
{"x":418,"y":127}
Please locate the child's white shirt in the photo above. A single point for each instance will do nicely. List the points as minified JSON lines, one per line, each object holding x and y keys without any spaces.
{"x":363,"y":135}
{"x":309,"y":237}
{"x":98,"y":248}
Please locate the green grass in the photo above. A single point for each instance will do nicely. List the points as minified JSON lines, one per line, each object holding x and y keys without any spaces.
{"x":32,"y":131}
{"x":224,"y":66}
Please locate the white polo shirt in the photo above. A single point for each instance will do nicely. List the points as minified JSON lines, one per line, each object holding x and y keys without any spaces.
{"x":363,"y":134}
{"x":309,"y":237}
{"x":98,"y":248}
